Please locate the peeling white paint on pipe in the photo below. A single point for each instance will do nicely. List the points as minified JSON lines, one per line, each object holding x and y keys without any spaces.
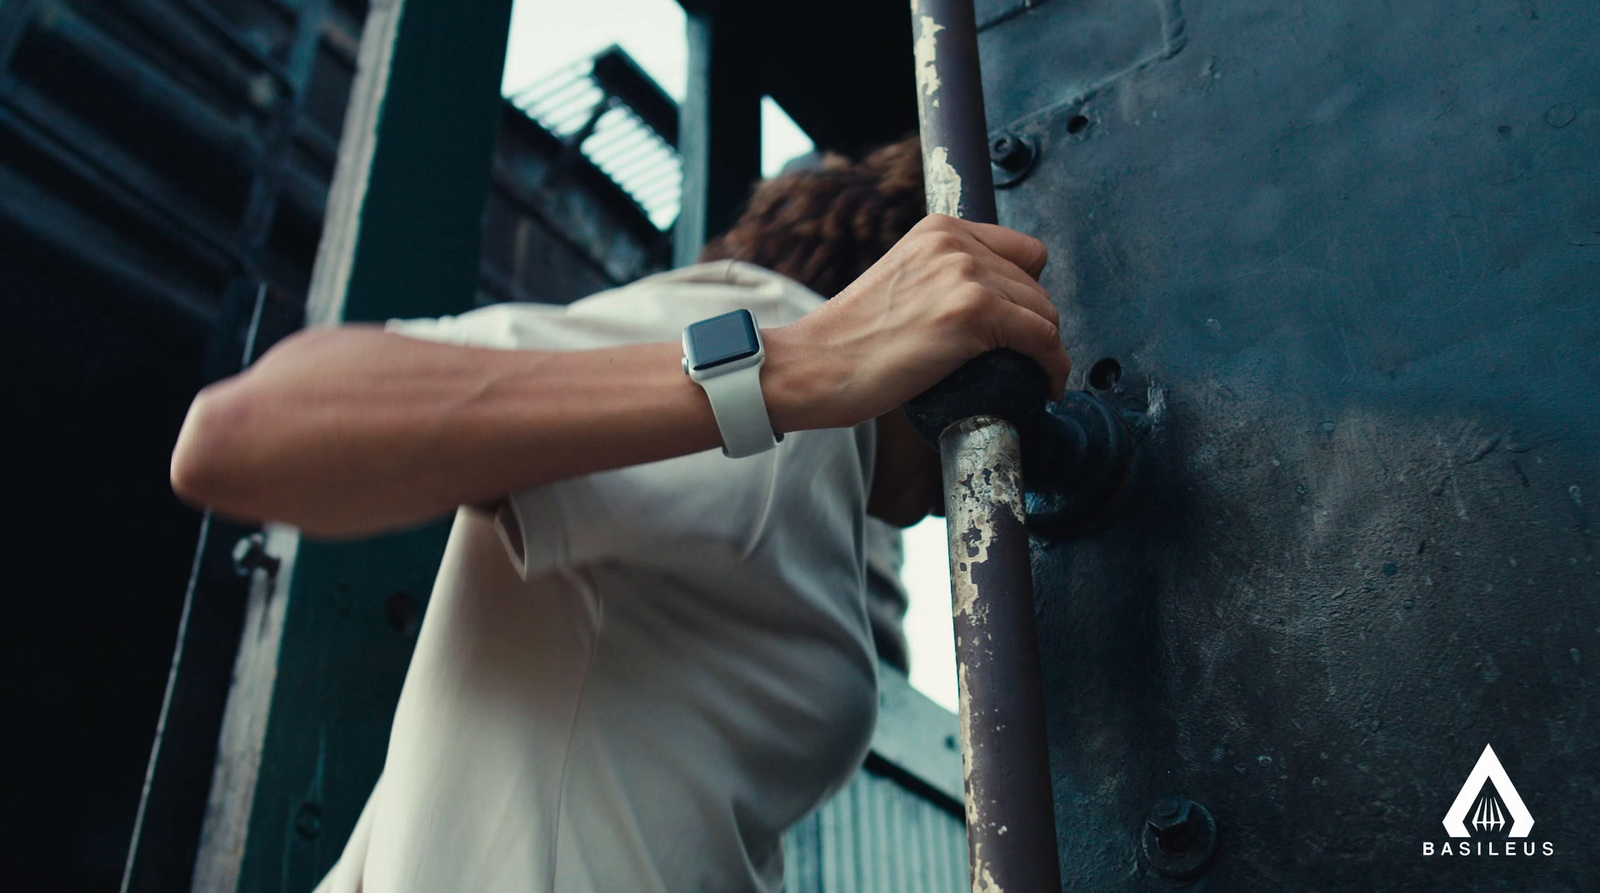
{"x":926,"y":51}
{"x":983,"y":476}
{"x":942,"y":182}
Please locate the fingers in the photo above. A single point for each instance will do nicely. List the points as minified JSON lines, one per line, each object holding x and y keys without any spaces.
{"x":1015,"y":286}
{"x":974,"y":259}
{"x":1023,"y":250}
{"x":1010,"y":303}
{"x":984,"y":280}
{"x":1029,"y":334}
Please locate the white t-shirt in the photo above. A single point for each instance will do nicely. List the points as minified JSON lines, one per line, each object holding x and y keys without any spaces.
{"x":670,"y":667}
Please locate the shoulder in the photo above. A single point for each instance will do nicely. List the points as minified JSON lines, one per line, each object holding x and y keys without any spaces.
{"x":652,"y":309}
{"x":691,"y":293}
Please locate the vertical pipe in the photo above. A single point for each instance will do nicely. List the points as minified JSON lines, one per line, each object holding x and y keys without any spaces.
{"x":1011,"y":836}
{"x":955,"y":143}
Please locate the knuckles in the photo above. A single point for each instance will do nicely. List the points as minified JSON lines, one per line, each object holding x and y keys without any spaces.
{"x":961,"y":264}
{"x":937,"y":223}
{"x":941,"y":242}
{"x":970,"y":303}
{"x":1049,"y":337}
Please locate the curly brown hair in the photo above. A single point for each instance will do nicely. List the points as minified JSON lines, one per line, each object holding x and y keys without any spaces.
{"x":824,"y":226}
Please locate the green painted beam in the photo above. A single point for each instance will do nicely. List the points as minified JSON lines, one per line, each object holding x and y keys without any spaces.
{"x":404,"y":218}
{"x":401,"y":239}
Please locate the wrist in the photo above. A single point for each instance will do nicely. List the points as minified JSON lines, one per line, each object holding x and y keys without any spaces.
{"x":798,"y":381}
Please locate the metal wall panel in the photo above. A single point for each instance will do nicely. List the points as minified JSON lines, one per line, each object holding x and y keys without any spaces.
{"x":1348,"y":253}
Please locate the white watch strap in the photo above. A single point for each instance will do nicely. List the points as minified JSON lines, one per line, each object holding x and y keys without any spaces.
{"x":741,"y":412}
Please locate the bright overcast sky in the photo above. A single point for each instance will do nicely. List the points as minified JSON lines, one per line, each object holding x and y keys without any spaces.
{"x":547,"y":35}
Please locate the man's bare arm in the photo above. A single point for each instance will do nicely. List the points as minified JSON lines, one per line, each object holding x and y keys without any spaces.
{"x":351,"y":431}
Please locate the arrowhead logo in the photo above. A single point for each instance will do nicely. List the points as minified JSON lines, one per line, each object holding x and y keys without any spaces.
{"x":1489,"y":816}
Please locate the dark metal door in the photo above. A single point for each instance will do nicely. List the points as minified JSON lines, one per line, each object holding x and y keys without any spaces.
{"x":1348,"y":254}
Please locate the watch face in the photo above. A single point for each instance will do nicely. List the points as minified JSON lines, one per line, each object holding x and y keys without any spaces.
{"x":722,"y":339}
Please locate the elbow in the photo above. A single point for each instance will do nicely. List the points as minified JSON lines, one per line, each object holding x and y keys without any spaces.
{"x":207,"y":458}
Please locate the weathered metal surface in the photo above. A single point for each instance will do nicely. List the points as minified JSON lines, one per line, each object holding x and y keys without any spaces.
{"x":949,"y":100}
{"x":958,"y":182}
{"x":1012,"y":157}
{"x":1077,"y":457}
{"x":1358,"y":245}
{"x":242,"y":739}
{"x":1180,"y":839}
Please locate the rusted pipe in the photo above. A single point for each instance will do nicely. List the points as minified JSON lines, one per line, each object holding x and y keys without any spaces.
{"x":1011,"y":832}
{"x":1011,"y":836}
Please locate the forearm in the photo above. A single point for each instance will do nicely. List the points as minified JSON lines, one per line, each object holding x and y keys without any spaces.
{"x":351,"y":431}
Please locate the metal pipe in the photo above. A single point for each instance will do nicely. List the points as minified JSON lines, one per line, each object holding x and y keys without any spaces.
{"x":1011,"y":836}
{"x":1011,"y":839}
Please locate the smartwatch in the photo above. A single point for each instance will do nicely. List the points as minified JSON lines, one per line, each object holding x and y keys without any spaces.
{"x":723,"y":355}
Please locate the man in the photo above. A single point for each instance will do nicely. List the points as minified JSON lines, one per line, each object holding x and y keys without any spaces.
{"x":643,"y":659}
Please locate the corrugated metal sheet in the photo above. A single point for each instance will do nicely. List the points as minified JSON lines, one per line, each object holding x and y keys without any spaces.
{"x":877,"y":836}
{"x":897,"y":827}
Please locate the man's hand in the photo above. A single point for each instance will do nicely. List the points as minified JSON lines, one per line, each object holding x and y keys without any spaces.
{"x":946,"y":293}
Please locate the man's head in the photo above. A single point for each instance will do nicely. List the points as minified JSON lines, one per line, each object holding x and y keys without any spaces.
{"x":825,"y":225}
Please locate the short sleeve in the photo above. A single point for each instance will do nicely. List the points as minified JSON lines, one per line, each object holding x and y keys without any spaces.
{"x":645,"y":514}
{"x":543,"y":550}
{"x":633,"y":513}
{"x":493,"y":326}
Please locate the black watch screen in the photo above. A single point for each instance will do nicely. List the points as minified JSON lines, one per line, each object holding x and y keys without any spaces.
{"x":722,"y":339}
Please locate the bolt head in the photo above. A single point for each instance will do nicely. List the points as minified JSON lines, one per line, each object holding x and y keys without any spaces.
{"x":1168,"y":813}
{"x":308,"y":820}
{"x":1179,"y":847}
{"x":250,"y":554}
{"x":1009,"y":152}
{"x":247,"y":553}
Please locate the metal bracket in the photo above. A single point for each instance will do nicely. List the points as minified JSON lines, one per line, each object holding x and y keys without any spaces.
{"x":1076,"y":456}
